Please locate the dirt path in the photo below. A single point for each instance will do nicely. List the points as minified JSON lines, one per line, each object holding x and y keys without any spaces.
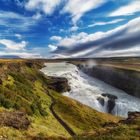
{"x":67,"y":128}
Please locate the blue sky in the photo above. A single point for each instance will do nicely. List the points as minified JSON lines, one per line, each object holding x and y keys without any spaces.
{"x":70,"y":28}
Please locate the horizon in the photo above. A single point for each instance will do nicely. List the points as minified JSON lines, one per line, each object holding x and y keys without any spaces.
{"x":63,"y":29}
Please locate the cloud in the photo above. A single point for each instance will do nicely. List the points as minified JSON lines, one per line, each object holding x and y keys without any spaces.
{"x":56,"y":38}
{"x":16,"y":22}
{"x":52,"y":47}
{"x":18,"y":36}
{"x":88,"y":45}
{"x":77,"y":8}
{"x":46,"y":6}
{"x":9,"y":15}
{"x":9,"y":44}
{"x":129,"y":9}
{"x":105,"y":23}
{"x":74,"y":28}
{"x":73,"y":40}
{"x":36,"y":16}
{"x":21,"y":54}
{"x":133,"y":51}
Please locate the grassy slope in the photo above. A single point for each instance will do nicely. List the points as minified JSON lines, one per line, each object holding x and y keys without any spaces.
{"x":119,"y":132}
{"x":80,"y":118}
{"x":25,"y":88}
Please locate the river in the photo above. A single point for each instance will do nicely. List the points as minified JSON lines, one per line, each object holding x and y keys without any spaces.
{"x":88,"y":90}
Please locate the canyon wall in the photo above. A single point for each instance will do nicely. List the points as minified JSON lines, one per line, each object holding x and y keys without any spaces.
{"x":126,"y":80}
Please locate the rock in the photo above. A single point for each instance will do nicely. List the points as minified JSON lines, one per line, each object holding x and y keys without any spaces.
{"x":110,"y":124}
{"x":0,"y":82}
{"x":113,"y":97}
{"x":132,"y":116}
{"x":101,"y":100}
{"x":16,"y":120}
{"x":59,"y":84}
{"x":111,"y":101}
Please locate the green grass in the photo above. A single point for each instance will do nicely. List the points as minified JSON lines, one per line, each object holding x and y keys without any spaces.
{"x":81,"y":118}
{"x":24,"y":88}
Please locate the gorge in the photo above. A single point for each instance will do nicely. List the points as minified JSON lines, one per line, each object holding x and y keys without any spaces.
{"x":93,"y":92}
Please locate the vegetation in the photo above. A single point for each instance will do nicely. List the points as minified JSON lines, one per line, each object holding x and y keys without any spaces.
{"x":23,"y":88}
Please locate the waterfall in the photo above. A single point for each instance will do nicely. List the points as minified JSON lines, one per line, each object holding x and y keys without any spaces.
{"x":93,"y":92}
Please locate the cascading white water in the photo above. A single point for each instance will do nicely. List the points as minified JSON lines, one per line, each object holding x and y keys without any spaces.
{"x":88,"y":90}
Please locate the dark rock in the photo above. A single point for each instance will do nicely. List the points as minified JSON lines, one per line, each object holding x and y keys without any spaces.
{"x":101,"y":100}
{"x":29,"y":64}
{"x":110,"y":124}
{"x":16,"y":120}
{"x":0,"y":82}
{"x":111,"y":101}
{"x":59,"y":84}
{"x":110,"y":106}
{"x":132,"y":116}
{"x":113,"y":97}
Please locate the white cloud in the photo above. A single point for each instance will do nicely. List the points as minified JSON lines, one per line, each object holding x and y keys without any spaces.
{"x":18,"y":36}
{"x":10,"y":15}
{"x":132,"y":27}
{"x":125,"y":33}
{"x":52,"y":47}
{"x":106,"y":23}
{"x":9,"y":44}
{"x":56,"y":38}
{"x":134,"y":51}
{"x":74,"y":28}
{"x":129,"y":9}
{"x":73,"y":40}
{"x":23,"y":23}
{"x":77,"y":8}
{"x":21,"y":54}
{"x":36,"y":16}
{"x":47,"y":6}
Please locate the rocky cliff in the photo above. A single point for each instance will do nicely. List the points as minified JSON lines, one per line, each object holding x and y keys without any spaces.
{"x":127,"y":80}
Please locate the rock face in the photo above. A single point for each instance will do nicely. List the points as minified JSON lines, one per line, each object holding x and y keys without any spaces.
{"x":16,"y":120}
{"x":132,"y":116}
{"x":110,"y":102}
{"x":101,"y":100}
{"x":126,"y":80}
{"x":59,"y":84}
{"x":131,"y":119}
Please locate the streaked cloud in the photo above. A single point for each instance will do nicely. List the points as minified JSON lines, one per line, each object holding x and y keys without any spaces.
{"x":130,"y":9}
{"x":77,"y":8}
{"x":105,"y":23}
{"x":124,"y":37}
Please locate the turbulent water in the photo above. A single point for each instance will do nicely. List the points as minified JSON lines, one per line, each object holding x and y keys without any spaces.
{"x":88,"y":90}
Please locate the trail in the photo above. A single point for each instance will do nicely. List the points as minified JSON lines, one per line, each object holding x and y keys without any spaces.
{"x":64,"y":124}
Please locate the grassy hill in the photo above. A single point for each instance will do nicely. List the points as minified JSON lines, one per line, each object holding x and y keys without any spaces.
{"x":25,"y":105}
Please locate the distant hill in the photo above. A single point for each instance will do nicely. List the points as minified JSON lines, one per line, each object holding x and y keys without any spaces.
{"x":9,"y":56}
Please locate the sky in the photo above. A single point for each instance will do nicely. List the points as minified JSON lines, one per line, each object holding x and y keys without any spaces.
{"x":69,"y":28}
